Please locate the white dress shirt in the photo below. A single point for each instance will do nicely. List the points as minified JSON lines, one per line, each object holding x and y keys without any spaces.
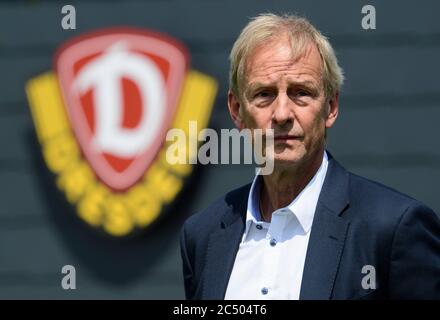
{"x":270,"y":260}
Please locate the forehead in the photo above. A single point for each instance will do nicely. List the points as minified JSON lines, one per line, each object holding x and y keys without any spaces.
{"x":275,"y":58}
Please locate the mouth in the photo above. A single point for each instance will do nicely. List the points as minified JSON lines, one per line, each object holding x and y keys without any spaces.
{"x":286,"y":137}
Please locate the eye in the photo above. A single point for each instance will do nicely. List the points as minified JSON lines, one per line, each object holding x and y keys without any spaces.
{"x":263,"y":94}
{"x":303,"y":93}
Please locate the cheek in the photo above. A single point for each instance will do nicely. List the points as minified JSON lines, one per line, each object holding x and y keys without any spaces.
{"x":257,"y":118}
{"x":312,"y":123}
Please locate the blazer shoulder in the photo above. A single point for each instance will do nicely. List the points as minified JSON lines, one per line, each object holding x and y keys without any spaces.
{"x":377,"y":190}
{"x":380,"y":200}
{"x":210,"y":217}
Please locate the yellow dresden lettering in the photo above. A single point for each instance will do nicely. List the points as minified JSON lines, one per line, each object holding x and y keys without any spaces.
{"x":145,"y":205}
{"x":180,"y":169}
{"x":75,"y":180}
{"x":117,"y":219}
{"x":90,"y":207}
{"x":166,"y":183}
{"x":46,"y":106}
{"x":60,"y":151}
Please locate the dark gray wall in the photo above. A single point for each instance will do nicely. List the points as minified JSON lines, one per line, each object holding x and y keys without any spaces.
{"x":387,"y":130}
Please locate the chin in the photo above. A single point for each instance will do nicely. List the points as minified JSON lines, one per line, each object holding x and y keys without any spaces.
{"x":288,"y":158}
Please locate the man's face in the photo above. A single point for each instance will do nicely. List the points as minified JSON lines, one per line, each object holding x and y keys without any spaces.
{"x":287,"y":96}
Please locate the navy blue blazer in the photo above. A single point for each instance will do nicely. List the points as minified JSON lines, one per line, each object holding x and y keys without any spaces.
{"x":357,"y":222}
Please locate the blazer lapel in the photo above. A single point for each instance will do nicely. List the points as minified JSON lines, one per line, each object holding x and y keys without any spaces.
{"x":327,"y":236}
{"x":223,"y":246}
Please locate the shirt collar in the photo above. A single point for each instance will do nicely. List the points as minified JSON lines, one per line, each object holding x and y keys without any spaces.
{"x":303,"y":206}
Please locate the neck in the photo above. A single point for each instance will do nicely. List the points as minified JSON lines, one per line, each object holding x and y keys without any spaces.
{"x":281,"y":187}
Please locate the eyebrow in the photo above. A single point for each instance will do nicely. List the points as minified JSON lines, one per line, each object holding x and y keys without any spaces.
{"x":257,"y":85}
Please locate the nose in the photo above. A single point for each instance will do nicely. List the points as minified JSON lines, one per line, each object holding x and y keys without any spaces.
{"x":282,"y":113}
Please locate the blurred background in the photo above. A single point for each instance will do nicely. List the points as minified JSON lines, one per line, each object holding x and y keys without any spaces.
{"x":387,"y":130}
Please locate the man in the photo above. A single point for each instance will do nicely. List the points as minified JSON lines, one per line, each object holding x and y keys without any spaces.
{"x":311,"y":229}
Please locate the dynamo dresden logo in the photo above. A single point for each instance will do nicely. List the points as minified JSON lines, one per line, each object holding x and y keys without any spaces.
{"x":102,"y":119}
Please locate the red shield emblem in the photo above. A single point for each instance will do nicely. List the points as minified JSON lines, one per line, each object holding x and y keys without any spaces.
{"x":121,"y":88}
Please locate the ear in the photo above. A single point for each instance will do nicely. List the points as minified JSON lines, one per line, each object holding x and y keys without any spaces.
{"x":234,"y":106}
{"x":333,"y":109}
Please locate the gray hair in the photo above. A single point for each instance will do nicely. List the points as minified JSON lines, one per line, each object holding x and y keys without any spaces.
{"x":301,"y":33}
